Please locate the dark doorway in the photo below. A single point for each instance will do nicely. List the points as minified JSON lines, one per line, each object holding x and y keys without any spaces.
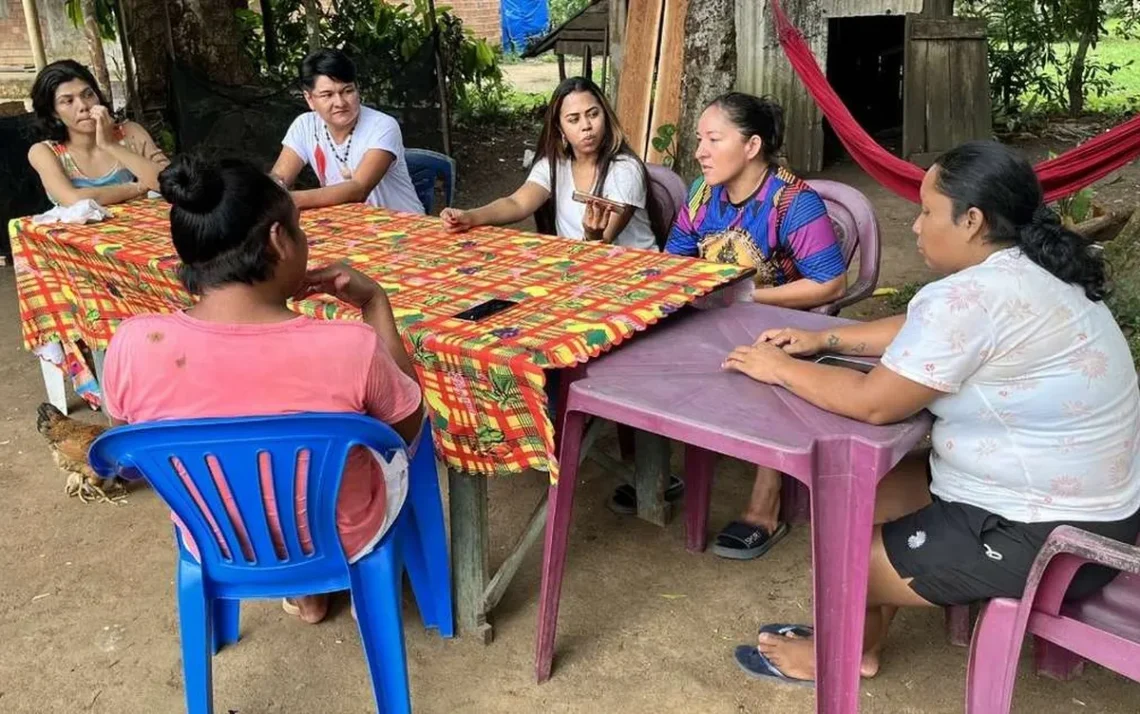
{"x":865,"y":67}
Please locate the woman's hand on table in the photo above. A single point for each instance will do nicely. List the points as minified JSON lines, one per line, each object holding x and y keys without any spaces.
{"x":596,"y":220}
{"x":343,"y":283}
{"x":799,"y":343}
{"x":456,"y":220}
{"x":760,"y":361}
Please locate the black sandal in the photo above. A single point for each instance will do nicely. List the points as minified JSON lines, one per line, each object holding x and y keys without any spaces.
{"x":744,"y":541}
{"x":624,"y":499}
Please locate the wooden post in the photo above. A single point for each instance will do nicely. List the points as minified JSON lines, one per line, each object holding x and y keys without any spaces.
{"x":133,"y":104}
{"x":615,"y":36}
{"x":444,"y":111}
{"x":938,"y":8}
{"x":561,"y":66}
{"x":588,"y":64}
{"x":313,"y":24}
{"x":470,"y":551}
{"x":35,"y":38}
{"x":651,"y":469}
{"x":269,"y":29}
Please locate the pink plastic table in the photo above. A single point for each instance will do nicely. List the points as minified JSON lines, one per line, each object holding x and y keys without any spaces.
{"x":669,"y":382}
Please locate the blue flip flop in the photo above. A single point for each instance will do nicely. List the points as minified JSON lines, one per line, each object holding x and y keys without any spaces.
{"x":753,"y":662}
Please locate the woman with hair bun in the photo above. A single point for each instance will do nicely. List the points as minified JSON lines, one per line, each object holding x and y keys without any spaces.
{"x":240,"y":350}
{"x":1033,"y":390}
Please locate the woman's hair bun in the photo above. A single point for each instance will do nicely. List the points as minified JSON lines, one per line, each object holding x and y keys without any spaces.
{"x":1045,"y":216}
{"x":192,"y":185}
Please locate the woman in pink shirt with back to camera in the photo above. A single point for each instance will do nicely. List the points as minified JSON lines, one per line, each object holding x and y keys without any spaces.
{"x":240,"y":351}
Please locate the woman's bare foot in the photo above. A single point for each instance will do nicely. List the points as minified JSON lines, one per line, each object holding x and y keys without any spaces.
{"x":310,"y":608}
{"x":795,"y":656}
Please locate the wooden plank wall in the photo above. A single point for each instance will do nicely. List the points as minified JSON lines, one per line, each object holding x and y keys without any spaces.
{"x":635,"y":88}
{"x":667,"y":98}
{"x":946,"y":93}
{"x":762,"y":67}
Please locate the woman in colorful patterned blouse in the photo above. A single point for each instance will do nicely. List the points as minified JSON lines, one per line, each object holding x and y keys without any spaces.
{"x":747,"y":210}
{"x":88,"y":155}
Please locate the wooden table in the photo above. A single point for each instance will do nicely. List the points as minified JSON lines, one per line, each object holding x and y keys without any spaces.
{"x":484,"y":382}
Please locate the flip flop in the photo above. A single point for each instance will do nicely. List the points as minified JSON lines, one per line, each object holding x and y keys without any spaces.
{"x":753,"y":663}
{"x":292,"y":608}
{"x":756,"y":665}
{"x":624,"y":499}
{"x":744,"y":541}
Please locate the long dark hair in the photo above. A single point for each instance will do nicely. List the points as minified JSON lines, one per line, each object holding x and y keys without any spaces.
{"x":552,"y":148}
{"x":43,"y":94}
{"x":755,"y":116}
{"x":220,"y":220}
{"x":1000,"y":183}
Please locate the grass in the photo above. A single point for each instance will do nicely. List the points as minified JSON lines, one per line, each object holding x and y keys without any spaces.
{"x":1124,"y":97}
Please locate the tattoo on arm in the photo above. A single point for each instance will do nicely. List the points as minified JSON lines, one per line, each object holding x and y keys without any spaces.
{"x":832,"y":341}
{"x":859,"y":348}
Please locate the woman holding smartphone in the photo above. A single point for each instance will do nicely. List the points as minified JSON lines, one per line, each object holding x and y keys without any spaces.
{"x":581,"y":153}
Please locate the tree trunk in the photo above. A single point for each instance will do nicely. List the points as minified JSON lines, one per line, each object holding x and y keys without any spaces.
{"x":1075,"y":82}
{"x":205,"y":35}
{"x":313,"y":24}
{"x":938,"y":8}
{"x":148,"y":27}
{"x":95,"y":48}
{"x":710,"y":70}
{"x":269,"y":30}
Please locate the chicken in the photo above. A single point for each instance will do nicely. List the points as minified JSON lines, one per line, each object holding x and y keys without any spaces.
{"x":69,"y":441}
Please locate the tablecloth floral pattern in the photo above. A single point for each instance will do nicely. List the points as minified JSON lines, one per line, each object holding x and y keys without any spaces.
{"x":483,"y":381}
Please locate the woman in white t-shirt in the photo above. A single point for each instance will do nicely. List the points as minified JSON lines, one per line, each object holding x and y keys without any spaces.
{"x":581,"y":148}
{"x":1030,"y":381}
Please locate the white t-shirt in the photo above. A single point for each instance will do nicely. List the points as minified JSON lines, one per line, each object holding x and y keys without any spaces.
{"x":625,"y":183}
{"x":1041,"y":414}
{"x":374,"y":130}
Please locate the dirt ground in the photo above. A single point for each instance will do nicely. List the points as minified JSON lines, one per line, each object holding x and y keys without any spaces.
{"x":88,"y":623}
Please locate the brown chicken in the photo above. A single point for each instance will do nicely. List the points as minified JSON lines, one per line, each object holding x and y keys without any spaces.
{"x":69,"y":441}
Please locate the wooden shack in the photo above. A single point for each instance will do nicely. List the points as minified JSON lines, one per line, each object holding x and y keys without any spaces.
{"x":917,"y":82}
{"x":585,"y":35}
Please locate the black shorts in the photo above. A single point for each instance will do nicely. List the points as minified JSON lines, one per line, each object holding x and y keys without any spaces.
{"x":957,"y":553}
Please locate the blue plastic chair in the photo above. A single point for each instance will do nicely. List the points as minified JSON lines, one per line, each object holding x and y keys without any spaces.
{"x":425,"y":167}
{"x":190,"y":463}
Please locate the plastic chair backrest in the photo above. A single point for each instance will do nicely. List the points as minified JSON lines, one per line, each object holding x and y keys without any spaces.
{"x":670,"y":192}
{"x":857,"y":228}
{"x":266,"y":464}
{"x":425,"y":167}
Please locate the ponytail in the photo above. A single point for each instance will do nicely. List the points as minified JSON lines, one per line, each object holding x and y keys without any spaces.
{"x":1064,"y":253}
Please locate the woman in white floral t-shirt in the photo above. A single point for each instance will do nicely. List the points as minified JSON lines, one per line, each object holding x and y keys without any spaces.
{"x":1031,"y":384}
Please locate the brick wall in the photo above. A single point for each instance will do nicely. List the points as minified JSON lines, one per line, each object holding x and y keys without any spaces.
{"x":14,"y":49}
{"x":481,"y":16}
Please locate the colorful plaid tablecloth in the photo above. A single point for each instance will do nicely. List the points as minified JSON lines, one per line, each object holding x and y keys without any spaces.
{"x":483,"y":381}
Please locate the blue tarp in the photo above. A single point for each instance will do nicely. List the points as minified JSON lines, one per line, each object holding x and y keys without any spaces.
{"x":523,"y":22}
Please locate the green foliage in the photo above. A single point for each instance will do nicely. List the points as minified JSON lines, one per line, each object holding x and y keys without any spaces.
{"x":1078,"y":207}
{"x":1123,"y":257}
{"x":497,"y":103}
{"x":1034,"y":46}
{"x":665,"y":143}
{"x":898,"y":300}
{"x":563,"y":10}
{"x":391,"y":44}
{"x":104,"y":16}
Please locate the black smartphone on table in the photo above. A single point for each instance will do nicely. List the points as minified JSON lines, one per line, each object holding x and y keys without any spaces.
{"x":835,"y":361}
{"x":485,"y":309}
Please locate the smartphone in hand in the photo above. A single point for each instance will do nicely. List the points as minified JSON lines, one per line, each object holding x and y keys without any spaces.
{"x":583,"y":197}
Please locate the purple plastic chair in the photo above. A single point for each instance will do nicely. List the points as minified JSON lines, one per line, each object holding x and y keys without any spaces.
{"x":1103,"y":628}
{"x":671,"y":193}
{"x":856,"y":227}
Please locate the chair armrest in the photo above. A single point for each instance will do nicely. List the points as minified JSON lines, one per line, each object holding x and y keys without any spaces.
{"x":1064,"y":552}
{"x":859,"y":291}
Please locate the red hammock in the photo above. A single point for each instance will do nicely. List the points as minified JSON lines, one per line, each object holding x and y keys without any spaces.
{"x":1060,"y":176}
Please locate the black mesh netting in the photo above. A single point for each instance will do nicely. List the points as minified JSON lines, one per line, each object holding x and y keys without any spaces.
{"x":20,"y":191}
{"x":217,"y":120}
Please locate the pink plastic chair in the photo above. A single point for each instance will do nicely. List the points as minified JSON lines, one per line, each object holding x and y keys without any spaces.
{"x":855,"y":224}
{"x":1103,"y":628}
{"x":671,"y":193}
